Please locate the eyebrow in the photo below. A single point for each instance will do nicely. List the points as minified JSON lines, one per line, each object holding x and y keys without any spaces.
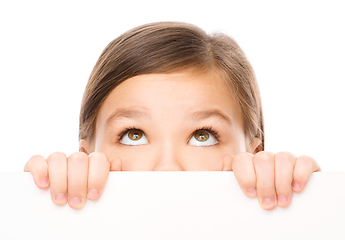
{"x":137,"y":114}
{"x":126,"y":113}
{"x":206,"y":114}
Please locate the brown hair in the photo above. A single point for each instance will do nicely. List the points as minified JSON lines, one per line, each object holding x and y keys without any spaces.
{"x":166,"y":47}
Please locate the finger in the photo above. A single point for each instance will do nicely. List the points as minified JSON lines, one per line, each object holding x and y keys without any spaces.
{"x":227,"y":162}
{"x":284,"y":164}
{"x":99,"y":167}
{"x":304,"y":167}
{"x":243,"y":168}
{"x":57,"y":163}
{"x":116,"y":164}
{"x":78,"y":165}
{"x":38,"y":167}
{"x":264,"y":168}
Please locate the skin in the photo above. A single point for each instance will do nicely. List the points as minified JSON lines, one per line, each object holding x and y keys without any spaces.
{"x":167,"y":109}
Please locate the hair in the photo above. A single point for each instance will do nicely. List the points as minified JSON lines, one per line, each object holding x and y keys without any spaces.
{"x":167,"y":47}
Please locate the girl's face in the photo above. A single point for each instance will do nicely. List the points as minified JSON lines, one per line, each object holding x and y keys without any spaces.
{"x":179,"y":121}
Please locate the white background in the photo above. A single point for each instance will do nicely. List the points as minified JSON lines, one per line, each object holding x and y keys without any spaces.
{"x":48,"y":49}
{"x":173,"y":205}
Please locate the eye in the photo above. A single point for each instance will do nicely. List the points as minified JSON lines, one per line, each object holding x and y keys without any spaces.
{"x":134,"y":137}
{"x":202,"y":138}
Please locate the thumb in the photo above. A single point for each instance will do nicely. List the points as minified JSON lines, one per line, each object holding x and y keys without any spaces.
{"x":227,"y":162}
{"x":116,"y":164}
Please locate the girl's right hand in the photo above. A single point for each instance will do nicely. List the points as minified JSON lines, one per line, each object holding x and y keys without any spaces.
{"x":74,"y":178}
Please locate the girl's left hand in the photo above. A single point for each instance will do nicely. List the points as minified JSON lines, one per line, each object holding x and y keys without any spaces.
{"x":270,"y":177}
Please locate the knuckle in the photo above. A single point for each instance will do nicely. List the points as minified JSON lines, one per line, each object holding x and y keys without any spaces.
{"x":263,"y":157}
{"x":303,"y":165}
{"x":98,"y":161}
{"x":56,"y":156}
{"x":36,"y":165}
{"x":238,"y":160}
{"x":98,"y":156}
{"x":244,"y":155}
{"x":78,"y":157}
{"x":36,"y":160}
{"x":36,"y":157}
{"x":285,"y":157}
{"x":304,"y":160}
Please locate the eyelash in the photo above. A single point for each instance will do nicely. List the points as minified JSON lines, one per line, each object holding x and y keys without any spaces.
{"x":126,"y":131}
{"x":208,"y":129}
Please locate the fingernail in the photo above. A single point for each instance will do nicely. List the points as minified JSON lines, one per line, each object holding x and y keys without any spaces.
{"x":282,"y":199}
{"x":251,"y":191}
{"x":60,"y":197}
{"x":93,"y":193}
{"x":268,"y":202}
{"x":296,"y":186}
{"x":75,"y":201}
{"x":44,"y":182}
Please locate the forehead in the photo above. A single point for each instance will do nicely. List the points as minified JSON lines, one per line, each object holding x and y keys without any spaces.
{"x":172,"y":96}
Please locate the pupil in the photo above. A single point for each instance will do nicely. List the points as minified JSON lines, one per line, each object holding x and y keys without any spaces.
{"x":135,"y":135}
{"x":202,"y":136}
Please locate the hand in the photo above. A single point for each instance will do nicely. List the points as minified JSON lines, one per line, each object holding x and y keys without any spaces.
{"x":74,"y":178}
{"x":271,"y":178}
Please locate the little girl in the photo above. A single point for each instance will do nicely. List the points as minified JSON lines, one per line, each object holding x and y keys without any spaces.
{"x":168,"y":97}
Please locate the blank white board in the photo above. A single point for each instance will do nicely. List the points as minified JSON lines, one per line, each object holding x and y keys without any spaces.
{"x":172,"y":205}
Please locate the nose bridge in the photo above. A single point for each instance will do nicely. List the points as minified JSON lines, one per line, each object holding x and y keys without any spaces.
{"x":168,"y":157}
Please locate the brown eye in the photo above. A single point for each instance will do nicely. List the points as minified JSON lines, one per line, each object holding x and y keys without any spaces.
{"x":135,"y":135}
{"x":201,"y":136}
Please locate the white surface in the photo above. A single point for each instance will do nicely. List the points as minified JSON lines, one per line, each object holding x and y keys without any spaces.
{"x":48,"y":49}
{"x":172,"y":205}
